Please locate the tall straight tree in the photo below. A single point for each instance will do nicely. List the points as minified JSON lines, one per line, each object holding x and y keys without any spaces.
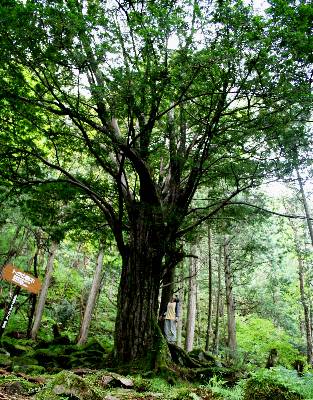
{"x":218,"y":303}
{"x":92,"y":299}
{"x":97,"y":96}
{"x":192,"y":304}
{"x":44,"y":290}
{"x":230,"y":300}
{"x":210,"y":299}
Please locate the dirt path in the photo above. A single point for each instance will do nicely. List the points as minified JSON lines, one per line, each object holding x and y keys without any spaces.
{"x":12,"y":396}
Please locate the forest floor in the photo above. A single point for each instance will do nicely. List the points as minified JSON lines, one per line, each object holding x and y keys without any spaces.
{"x":51,"y":371}
{"x":5,"y":396}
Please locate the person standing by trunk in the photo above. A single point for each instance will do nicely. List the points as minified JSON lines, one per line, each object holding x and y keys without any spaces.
{"x":170,"y":320}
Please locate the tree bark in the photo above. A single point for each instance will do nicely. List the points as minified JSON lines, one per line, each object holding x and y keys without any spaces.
{"x":191,"y":310}
{"x":306,"y":206}
{"x":33,"y":297}
{"x":209,"y":323}
{"x":218,"y":300}
{"x":92,"y":298}
{"x":181,"y":296}
{"x":44,"y":291}
{"x":230,"y":302}
{"x":136,"y":330}
{"x":305,"y":312}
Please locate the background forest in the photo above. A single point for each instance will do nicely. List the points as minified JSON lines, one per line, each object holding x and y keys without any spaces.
{"x":269,"y":260}
{"x":152,"y":148}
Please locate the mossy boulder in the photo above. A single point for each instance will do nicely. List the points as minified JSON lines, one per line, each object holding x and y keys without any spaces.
{"x":11,"y":385}
{"x":95,"y":344}
{"x":16,"y":347}
{"x":67,"y":384}
{"x":5,"y":361}
{"x":257,"y":389}
{"x":91,"y":355}
{"x":29,"y":369}
{"x":55,"y":357}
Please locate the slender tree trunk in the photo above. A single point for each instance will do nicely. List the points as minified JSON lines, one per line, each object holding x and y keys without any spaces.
{"x":306,"y":312}
{"x":136,"y":330}
{"x":198,"y":321}
{"x":191,"y":311}
{"x":209,"y":323}
{"x":92,"y":298}
{"x":44,"y":291}
{"x":304,"y":302}
{"x":218,"y":301}
{"x":306,"y":207}
{"x":230,"y":302}
{"x":33,"y":296}
{"x":181,"y":292}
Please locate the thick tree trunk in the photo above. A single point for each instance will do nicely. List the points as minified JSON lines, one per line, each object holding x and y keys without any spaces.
{"x":44,"y":291}
{"x":209,"y":323}
{"x":92,"y":298}
{"x":137,"y":335}
{"x":230,"y":302}
{"x":191,"y":311}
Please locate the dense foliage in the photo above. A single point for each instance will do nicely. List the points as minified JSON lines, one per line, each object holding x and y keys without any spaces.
{"x":136,"y":143}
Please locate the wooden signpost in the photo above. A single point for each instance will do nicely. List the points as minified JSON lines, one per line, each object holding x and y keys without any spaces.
{"x":23,"y":280}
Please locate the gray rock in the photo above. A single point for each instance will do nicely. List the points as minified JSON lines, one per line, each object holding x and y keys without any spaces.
{"x":116,"y":380}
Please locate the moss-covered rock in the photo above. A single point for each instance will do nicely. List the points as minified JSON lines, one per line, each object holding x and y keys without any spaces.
{"x":68,"y":384}
{"x":95,"y":344}
{"x":16,"y":347}
{"x":12,"y":384}
{"x":91,"y":355}
{"x":257,"y":389}
{"x":5,"y":361}
{"x":204,"y":358}
{"x":29,"y":369}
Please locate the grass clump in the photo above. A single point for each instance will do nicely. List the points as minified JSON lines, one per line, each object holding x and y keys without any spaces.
{"x":220,"y":390}
{"x":279,"y":384}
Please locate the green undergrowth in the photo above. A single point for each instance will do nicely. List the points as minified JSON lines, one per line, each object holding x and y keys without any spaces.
{"x":68,"y":385}
{"x":279,"y":384}
{"x":20,"y":384}
{"x":57,"y":363}
{"x":27,"y":356}
{"x":276,"y":383}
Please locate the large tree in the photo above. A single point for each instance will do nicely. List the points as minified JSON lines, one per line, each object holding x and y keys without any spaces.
{"x":138,"y":105}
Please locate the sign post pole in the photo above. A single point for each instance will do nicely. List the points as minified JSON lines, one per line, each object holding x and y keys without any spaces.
{"x":23,"y":280}
{"x":9,"y":310}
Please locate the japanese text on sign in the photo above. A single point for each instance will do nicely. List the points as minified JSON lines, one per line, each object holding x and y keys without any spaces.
{"x":12,"y":274}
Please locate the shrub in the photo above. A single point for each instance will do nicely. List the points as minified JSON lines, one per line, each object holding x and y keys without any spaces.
{"x":257,"y":336}
{"x":278,"y":384}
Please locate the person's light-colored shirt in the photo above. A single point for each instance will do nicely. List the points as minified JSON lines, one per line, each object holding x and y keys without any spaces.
{"x":171,"y":313}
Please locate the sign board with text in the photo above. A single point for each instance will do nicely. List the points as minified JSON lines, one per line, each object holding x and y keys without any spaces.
{"x":12,"y":274}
